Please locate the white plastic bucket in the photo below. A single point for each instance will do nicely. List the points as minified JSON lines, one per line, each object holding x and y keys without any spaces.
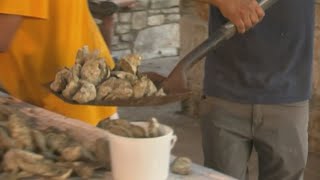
{"x":141,"y":158}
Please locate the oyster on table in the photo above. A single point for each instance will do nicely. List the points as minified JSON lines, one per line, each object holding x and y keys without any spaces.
{"x":26,"y":152}
{"x":182,"y":166}
{"x":6,"y":142}
{"x":41,"y":144}
{"x":75,"y":152}
{"x":16,"y":159}
{"x":20,"y":132}
{"x":84,"y":170}
{"x":57,"y":142}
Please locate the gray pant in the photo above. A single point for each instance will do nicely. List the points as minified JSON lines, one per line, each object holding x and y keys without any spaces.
{"x":279,"y":133}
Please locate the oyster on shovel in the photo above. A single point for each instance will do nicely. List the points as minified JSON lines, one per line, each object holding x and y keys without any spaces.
{"x":90,"y":80}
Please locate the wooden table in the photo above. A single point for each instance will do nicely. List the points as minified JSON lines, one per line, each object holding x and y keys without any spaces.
{"x":87,"y":133}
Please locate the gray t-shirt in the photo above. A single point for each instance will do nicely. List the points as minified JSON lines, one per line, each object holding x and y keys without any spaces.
{"x":272,"y":63}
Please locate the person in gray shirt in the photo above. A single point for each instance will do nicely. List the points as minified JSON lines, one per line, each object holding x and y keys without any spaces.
{"x":257,"y":86}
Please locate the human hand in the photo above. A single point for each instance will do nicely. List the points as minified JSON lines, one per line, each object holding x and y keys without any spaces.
{"x":244,"y":14}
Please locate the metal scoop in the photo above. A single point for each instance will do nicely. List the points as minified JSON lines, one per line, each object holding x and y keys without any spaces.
{"x":175,"y":85}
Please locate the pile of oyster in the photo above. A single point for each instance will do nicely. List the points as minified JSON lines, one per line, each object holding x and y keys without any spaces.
{"x":51,"y":154}
{"x":124,"y":128}
{"x":90,"y":79}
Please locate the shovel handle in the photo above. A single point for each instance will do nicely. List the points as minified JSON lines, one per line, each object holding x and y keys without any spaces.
{"x":225,"y":32}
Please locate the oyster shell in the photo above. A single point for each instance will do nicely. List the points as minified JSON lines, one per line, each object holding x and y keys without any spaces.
{"x":138,"y":131}
{"x":6,"y":142}
{"x":125,"y":75}
{"x":35,"y":164}
{"x":57,"y":142}
{"x":182,"y":166}
{"x":75,"y":153}
{"x":120,"y":131}
{"x":105,"y":88}
{"x":151,"y":88}
{"x":154,"y":128}
{"x":160,"y":92}
{"x":24,"y":174}
{"x":105,"y":124}
{"x":41,"y":144}
{"x":86,"y":93}
{"x":140,"y":88}
{"x":94,"y":71}
{"x":5,"y":112}
{"x":82,"y":55}
{"x":20,"y":132}
{"x":71,"y":89}
{"x":61,"y":80}
{"x":130,"y":63}
{"x":84,"y":170}
{"x":122,"y":90}
{"x":76,"y":72}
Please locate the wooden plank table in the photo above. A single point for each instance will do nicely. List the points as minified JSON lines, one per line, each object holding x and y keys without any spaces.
{"x":89,"y":134}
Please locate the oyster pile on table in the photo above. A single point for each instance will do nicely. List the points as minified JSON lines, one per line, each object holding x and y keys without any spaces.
{"x":50,"y":154}
{"x":124,"y":128}
{"x":90,"y":79}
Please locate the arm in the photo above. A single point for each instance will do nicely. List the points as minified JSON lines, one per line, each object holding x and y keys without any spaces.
{"x":9,"y":24}
{"x":106,"y":10}
{"x":243,"y":13}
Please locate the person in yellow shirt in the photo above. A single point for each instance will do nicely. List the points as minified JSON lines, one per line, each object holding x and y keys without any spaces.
{"x":37,"y":38}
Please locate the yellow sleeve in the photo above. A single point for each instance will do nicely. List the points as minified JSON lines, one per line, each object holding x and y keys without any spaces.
{"x":28,"y":8}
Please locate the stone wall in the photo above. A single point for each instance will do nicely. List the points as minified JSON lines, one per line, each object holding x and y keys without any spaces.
{"x":150,"y":29}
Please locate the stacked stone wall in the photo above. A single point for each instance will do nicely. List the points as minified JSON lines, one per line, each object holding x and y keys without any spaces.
{"x":150,"y":29}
